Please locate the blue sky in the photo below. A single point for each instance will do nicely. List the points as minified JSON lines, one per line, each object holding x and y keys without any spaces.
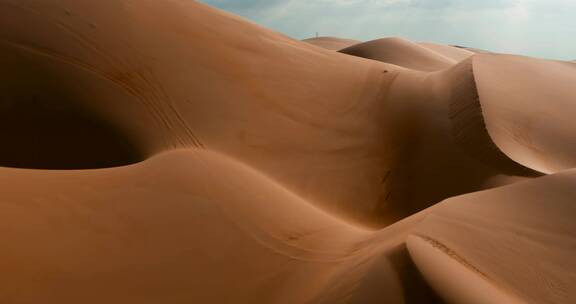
{"x":540,"y":28}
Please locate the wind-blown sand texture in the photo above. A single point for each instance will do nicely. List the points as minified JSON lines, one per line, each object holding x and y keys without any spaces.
{"x":168,"y":152}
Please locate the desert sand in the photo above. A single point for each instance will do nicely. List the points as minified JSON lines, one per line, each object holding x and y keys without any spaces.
{"x":170,"y":152}
{"x":331,"y":43}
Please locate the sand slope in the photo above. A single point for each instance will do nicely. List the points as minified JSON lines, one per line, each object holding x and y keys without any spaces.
{"x":224,"y":234}
{"x":518,"y":240}
{"x":169,"y":152}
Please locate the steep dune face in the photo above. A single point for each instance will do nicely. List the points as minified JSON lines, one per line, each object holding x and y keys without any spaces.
{"x":528,"y":104}
{"x":467,"y":120}
{"x":236,"y":165}
{"x":331,"y":43}
{"x":436,"y":128}
{"x":400,"y":52}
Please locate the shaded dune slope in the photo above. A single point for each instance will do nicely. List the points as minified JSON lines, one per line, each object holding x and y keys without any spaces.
{"x":435,"y":123}
{"x":47,"y":121}
{"x":236,"y":165}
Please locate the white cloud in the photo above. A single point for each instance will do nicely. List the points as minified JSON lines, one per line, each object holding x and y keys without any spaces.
{"x":534,"y":27}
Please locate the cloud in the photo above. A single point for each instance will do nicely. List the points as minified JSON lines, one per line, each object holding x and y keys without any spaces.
{"x":244,"y":4}
{"x":533,"y":27}
{"x":258,"y":5}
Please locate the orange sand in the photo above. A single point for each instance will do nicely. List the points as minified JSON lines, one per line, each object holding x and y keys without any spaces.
{"x":169,"y":152}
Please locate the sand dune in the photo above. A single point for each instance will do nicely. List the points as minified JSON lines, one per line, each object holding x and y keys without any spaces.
{"x":332,"y":43}
{"x":451,"y":52}
{"x":534,"y":127}
{"x":517,"y":239}
{"x":473,"y":50}
{"x":225,"y":234}
{"x":401,"y":52}
{"x":169,"y":152}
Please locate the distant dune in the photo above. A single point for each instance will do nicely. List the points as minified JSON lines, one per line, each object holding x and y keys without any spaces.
{"x":401,"y":52}
{"x":170,"y":152}
{"x":473,"y":50}
{"x":451,"y":52}
{"x":331,"y":43}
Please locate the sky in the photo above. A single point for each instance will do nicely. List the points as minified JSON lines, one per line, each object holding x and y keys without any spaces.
{"x":539,"y":28}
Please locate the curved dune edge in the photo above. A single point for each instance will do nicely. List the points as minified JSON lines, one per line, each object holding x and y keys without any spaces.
{"x":529,"y":117}
{"x":451,"y":276}
{"x":468,"y":123}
